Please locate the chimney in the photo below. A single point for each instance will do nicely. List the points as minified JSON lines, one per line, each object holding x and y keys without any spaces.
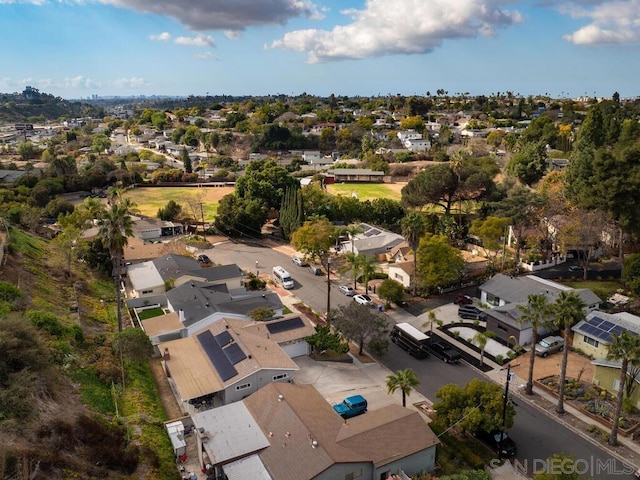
{"x":181,"y":315}
{"x":166,"y":355}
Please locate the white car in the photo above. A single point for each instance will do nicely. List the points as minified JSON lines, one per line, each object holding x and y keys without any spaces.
{"x":363,"y":300}
{"x":300,"y":262}
{"x":347,"y":290}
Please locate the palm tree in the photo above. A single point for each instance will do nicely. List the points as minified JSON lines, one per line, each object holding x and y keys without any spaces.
{"x":116,"y":226}
{"x":625,"y":348}
{"x":414,"y":228}
{"x":352,"y":231}
{"x":430,"y":321}
{"x":405,"y":381}
{"x":568,"y":309}
{"x":535,"y":312}
{"x":366,"y":265}
{"x":481,"y":339}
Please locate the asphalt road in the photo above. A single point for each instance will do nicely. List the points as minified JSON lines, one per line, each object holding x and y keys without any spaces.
{"x":536,"y":434}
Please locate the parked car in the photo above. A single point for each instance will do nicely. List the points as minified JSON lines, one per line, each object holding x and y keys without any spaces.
{"x":204,"y":259}
{"x":470,"y":312}
{"x":316,"y":270}
{"x":347,"y":290}
{"x":363,"y":300}
{"x":549,"y":345}
{"x":463,"y":300}
{"x":499,"y":441}
{"x":444,"y":351}
{"x":300,"y":262}
{"x":351,"y":406}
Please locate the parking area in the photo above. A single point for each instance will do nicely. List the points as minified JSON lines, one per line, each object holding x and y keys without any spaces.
{"x":577,"y":366}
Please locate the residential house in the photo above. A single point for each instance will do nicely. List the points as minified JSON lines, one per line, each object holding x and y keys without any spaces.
{"x":199,"y":304}
{"x":152,"y":228}
{"x":607,"y":376}
{"x":417,"y":144}
{"x":504,"y":293}
{"x":373,"y":241}
{"x":290,"y":432}
{"x":150,"y":278}
{"x":221,"y":364}
{"x":401,"y":272}
{"x":593,"y":334}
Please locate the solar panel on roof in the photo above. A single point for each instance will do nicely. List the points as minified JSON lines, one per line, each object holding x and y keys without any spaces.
{"x":606,"y":325}
{"x":588,"y":329}
{"x":234,"y":353}
{"x":617,"y":330}
{"x":595,"y":321}
{"x":224,"y":338}
{"x":285,"y":325}
{"x":217,"y":357}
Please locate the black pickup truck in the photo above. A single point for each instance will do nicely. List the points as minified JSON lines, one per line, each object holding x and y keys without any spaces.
{"x":443,"y":351}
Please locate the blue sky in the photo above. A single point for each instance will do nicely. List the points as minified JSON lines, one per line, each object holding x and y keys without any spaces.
{"x":79,"y":48}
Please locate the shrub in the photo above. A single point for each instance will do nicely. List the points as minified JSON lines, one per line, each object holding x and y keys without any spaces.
{"x":379,"y":345}
{"x":46,"y":321}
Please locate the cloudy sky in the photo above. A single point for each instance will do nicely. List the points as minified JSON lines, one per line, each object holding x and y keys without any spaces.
{"x":79,"y":48}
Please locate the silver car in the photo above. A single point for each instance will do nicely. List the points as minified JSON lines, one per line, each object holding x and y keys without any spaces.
{"x":549,"y":345}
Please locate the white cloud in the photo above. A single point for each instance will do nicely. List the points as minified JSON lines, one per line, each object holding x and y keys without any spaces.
{"x":163,"y":37}
{"x":79,"y":82}
{"x":406,"y":27}
{"x":610,"y":22}
{"x":198,"y":41}
{"x":133,"y":82}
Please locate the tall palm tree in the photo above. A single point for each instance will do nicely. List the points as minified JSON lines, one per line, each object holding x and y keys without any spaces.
{"x":115,"y":226}
{"x":625,"y":348}
{"x":352,"y":231}
{"x":403,"y":380}
{"x":536,"y":312}
{"x":367,"y":265}
{"x":568,"y":309}
{"x":354,"y":263}
{"x":414,"y":228}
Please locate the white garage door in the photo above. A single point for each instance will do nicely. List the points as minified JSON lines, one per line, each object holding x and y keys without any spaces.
{"x":296,"y":349}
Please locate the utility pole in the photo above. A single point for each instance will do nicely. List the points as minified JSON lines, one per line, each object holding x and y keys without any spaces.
{"x":328,"y":287}
{"x":504,"y":409}
{"x":204,"y":232}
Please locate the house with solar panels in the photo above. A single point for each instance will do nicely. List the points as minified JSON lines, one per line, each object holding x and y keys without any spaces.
{"x":593,"y":334}
{"x":231,"y":359}
{"x":505,"y":293}
{"x":373,"y":241}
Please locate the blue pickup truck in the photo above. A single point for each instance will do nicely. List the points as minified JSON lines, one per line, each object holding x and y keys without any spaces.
{"x":351,"y":406}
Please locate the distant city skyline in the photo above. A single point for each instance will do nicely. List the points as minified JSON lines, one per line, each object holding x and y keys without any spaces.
{"x":79,"y":48}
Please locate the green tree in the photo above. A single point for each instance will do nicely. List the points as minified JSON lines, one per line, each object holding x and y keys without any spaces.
{"x":391,"y":291}
{"x":626,"y":349}
{"x":568,"y":309}
{"x":170,"y":212}
{"x":535,"y":313}
{"x":27,"y":150}
{"x":439,"y":264}
{"x":492,"y":231}
{"x":115,"y":227}
{"x":291,"y":215}
{"x":133,"y":344}
{"x":266,"y":182}
{"x":64,"y":245}
{"x":351,"y":258}
{"x":403,"y":380}
{"x":237,"y":216}
{"x":481,"y":339}
{"x":631,"y":273}
{"x":476,"y":406}
{"x":414,"y":227}
{"x":186,"y":161}
{"x":358,"y":322}
{"x":529,"y":164}
{"x":326,"y":340}
{"x":100,"y":143}
{"x":367,"y":267}
{"x":314,"y":238}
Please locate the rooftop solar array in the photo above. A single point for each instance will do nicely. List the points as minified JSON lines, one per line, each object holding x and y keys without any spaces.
{"x":224,"y":338}
{"x":285,"y":325}
{"x":602,"y":329}
{"x":234,"y":353}
{"x":218,"y":359}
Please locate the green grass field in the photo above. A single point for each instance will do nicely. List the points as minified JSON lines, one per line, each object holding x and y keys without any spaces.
{"x":366,"y":191}
{"x":149,"y":200}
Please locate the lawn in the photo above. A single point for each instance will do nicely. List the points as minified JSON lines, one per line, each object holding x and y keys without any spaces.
{"x":149,"y":200}
{"x":367,"y":191}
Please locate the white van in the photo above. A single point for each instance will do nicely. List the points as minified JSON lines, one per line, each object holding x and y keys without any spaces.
{"x":281,"y":276}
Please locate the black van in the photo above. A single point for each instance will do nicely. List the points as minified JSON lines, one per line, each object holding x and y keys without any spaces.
{"x":410,"y":339}
{"x":469,"y":312}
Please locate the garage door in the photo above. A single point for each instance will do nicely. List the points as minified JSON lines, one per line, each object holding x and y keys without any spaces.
{"x":296,"y":349}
